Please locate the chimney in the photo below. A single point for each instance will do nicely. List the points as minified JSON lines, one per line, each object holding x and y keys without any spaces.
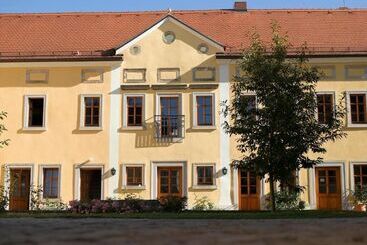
{"x":240,"y":6}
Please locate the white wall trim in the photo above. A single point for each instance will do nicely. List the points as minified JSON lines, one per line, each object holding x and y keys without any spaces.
{"x":194,"y":181}
{"x":154,"y":176}
{"x":159,"y":24}
{"x":312,"y":181}
{"x":115,"y":124}
{"x":225,"y":201}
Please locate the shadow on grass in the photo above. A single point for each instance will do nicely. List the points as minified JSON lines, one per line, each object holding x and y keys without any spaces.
{"x":314,"y":214}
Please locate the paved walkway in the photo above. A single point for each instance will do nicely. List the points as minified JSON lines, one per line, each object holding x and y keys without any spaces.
{"x":123,"y":231}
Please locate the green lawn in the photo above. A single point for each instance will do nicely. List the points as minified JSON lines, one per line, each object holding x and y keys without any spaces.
{"x":195,"y":215}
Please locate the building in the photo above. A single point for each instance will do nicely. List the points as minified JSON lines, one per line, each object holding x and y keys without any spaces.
{"x":104,"y":104}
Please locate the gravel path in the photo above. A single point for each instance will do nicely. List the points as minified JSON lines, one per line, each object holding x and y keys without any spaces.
{"x":123,"y":231}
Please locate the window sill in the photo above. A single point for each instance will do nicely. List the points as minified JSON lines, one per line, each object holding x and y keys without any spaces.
{"x":132,"y":128}
{"x":204,"y":187}
{"x":91,"y":128}
{"x":204,"y":128}
{"x":34,"y":129}
{"x":357,"y":125}
{"x":133,"y":187}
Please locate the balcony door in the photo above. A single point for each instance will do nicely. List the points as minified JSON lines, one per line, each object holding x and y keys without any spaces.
{"x":170,"y":120}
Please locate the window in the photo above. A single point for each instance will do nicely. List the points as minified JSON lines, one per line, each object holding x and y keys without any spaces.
{"x":50,"y":183}
{"x":204,"y":104}
{"x":35,"y":111}
{"x":358,"y":108}
{"x":134,"y":176}
{"x":325,"y":110}
{"x":360,"y":176}
{"x":204,"y":176}
{"x":91,"y":111}
{"x":250,"y":103}
{"x":203,"y":111}
{"x":134,"y":110}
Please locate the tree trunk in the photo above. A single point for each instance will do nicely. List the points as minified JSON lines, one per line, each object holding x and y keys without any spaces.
{"x":272,"y":193}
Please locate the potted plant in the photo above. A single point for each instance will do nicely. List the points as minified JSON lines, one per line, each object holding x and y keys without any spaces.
{"x":360,"y":199}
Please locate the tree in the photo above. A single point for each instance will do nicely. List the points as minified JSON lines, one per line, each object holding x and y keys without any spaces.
{"x":3,"y":143}
{"x":276,"y":137}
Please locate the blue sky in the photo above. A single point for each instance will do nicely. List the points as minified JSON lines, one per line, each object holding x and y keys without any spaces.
{"x":130,"y":5}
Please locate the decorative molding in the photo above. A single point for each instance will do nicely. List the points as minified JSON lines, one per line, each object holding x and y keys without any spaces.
{"x":86,"y":74}
{"x":30,"y":73}
{"x":140,"y":72}
{"x":200,"y":74}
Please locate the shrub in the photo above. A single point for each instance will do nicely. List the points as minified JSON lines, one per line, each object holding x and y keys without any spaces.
{"x":202,"y":204}
{"x":285,"y":200}
{"x":4,"y":198}
{"x":173,"y":203}
{"x":360,"y":196}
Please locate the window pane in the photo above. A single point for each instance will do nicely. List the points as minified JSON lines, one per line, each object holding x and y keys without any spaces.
{"x":91,"y":111}
{"x":204,"y":110}
{"x":322,"y":184}
{"x":50,"y":182}
{"x":134,"y":175}
{"x":35,"y":112}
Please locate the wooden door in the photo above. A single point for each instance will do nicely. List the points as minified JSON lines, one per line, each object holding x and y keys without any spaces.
{"x":249,"y":191}
{"x":19,"y":189}
{"x":90,"y":184}
{"x":328,"y":188}
{"x":169,"y":181}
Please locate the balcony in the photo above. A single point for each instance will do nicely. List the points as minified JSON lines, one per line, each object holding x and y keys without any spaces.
{"x":169,"y":126}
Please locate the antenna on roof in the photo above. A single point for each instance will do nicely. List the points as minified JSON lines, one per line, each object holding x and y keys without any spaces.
{"x":344,"y":3}
{"x":169,"y":10}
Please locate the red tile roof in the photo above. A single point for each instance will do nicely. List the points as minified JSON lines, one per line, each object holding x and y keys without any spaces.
{"x":54,"y":33}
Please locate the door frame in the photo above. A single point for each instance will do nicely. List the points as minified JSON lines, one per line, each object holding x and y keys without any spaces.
{"x":236,"y":190}
{"x":10,"y":166}
{"x":312,"y":182}
{"x":77,"y":178}
{"x":154,"y":176}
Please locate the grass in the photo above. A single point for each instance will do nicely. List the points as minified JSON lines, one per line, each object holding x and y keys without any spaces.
{"x":310,"y":214}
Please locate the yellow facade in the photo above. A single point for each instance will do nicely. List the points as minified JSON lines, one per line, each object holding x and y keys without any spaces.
{"x":62,"y":142}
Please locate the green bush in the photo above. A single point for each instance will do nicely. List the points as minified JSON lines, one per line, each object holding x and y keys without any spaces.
{"x":173,"y":203}
{"x":285,"y":200}
{"x":360,"y":195}
{"x":202,"y":204}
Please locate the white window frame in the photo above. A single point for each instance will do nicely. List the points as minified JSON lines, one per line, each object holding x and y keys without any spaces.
{"x":349,"y":114}
{"x":82,"y":112}
{"x":351,"y":171}
{"x":195,"y":177}
{"x":334,"y":102}
{"x":26,"y":113}
{"x":124,"y":112}
{"x":100,"y":71}
{"x":41,"y":179}
{"x":194,"y":111}
{"x":125,"y":186}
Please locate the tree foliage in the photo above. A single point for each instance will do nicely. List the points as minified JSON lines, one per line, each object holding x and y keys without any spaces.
{"x":277,"y":136}
{"x":3,"y":143}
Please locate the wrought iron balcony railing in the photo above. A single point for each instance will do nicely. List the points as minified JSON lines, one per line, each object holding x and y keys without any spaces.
{"x":169,"y":126}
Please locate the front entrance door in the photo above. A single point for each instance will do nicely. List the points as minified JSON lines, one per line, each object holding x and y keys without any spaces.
{"x":90,"y":184}
{"x":249,"y":191}
{"x":19,"y":189}
{"x":328,"y":188}
{"x":169,"y":181}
